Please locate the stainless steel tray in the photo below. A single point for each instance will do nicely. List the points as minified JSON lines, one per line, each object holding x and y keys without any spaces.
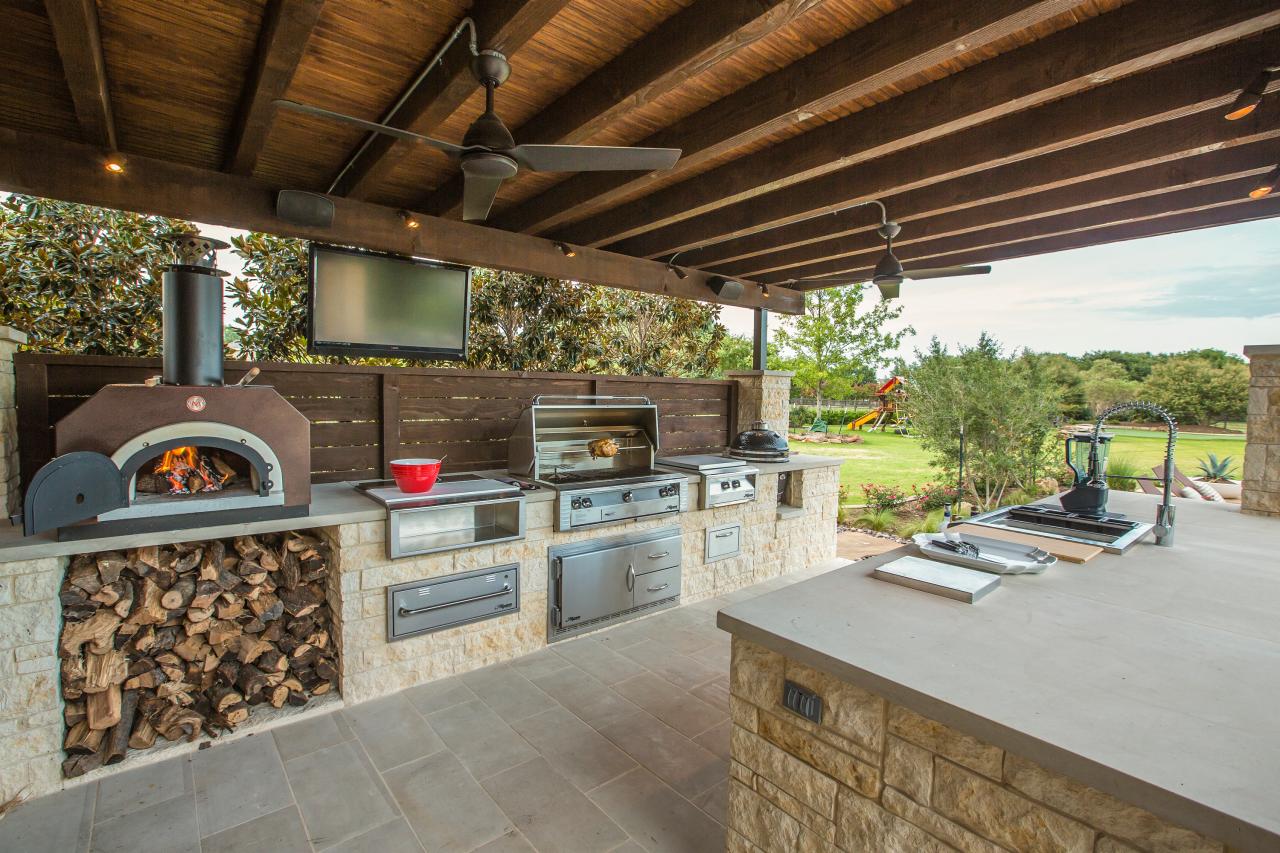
{"x":1004,"y":558}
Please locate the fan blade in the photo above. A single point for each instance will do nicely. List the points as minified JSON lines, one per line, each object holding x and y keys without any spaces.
{"x":944,"y":272}
{"x":593,"y":158}
{"x":371,"y":126}
{"x":478,"y":193}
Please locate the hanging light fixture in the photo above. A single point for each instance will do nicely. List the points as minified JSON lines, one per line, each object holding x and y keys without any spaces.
{"x":410,"y":221}
{"x":764,"y":291}
{"x":567,"y":250}
{"x":1267,"y":185}
{"x":1250,"y":96}
{"x":671,"y":267}
{"x":115,"y":163}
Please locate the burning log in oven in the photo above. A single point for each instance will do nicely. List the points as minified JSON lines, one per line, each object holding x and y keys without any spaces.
{"x":188,"y":471}
{"x":172,"y":641}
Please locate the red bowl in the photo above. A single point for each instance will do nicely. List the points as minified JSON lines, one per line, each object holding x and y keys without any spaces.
{"x":415,"y":475}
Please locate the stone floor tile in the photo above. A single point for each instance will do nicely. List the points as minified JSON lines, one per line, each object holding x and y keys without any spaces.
{"x":598,"y":659}
{"x":630,"y":846}
{"x":447,"y":808}
{"x":338,"y":793}
{"x":237,"y":782}
{"x":143,"y":786}
{"x":512,"y":842}
{"x":680,"y":670}
{"x":715,"y":802}
{"x":684,"y":639}
{"x":480,"y":739}
{"x":578,"y":752}
{"x":278,"y":832}
{"x":57,"y":823}
{"x":589,"y":698}
{"x":716,"y":739}
{"x":715,"y":692}
{"x":657,"y":817}
{"x":674,"y":758}
{"x":392,"y":837}
{"x":438,"y":695}
{"x":392,"y":731}
{"x":620,"y":636}
{"x":551,"y":813}
{"x":675,"y":707}
{"x":507,"y":692}
{"x":717,"y":655}
{"x":541,"y":662}
{"x":167,"y":827}
{"x":314,"y":733}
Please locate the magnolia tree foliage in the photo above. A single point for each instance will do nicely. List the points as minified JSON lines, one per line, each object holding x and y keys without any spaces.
{"x":1196,"y":390}
{"x":80,"y":279}
{"x":836,"y":344}
{"x":1007,"y":407}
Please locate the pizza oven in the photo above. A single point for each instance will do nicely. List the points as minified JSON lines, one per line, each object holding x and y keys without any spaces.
{"x":182,"y":449}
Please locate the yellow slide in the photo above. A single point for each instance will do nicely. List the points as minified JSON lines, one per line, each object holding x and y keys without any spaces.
{"x":867,"y":418}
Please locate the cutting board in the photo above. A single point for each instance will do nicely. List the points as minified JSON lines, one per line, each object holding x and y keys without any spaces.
{"x":1072,"y":552}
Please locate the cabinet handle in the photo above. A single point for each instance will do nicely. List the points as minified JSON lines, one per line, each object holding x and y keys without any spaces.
{"x":404,"y":611}
{"x":658,"y":588}
{"x":659,"y":556}
{"x":631,"y":578}
{"x":726,"y":534}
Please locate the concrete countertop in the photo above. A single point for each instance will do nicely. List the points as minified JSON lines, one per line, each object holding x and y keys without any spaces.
{"x":331,"y":504}
{"x":1153,"y":676}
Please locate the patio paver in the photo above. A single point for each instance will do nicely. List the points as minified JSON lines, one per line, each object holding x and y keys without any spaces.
{"x":537,"y":754}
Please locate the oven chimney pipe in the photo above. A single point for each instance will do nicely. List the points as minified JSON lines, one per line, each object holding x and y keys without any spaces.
{"x":192,"y":291}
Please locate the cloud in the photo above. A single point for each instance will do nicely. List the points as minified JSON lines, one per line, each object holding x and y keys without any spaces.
{"x":1244,"y":292}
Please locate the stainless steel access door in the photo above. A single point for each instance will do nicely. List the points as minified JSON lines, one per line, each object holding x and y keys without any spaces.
{"x":595,"y":584}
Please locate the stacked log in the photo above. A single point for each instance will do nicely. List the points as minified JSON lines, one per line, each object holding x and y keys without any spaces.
{"x":174,"y":640}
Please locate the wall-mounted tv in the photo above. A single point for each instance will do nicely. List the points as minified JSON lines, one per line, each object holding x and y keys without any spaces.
{"x":372,"y":304}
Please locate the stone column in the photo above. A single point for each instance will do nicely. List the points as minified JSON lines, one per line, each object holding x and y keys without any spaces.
{"x":763,"y":395}
{"x":10,"y":340}
{"x":1261,"y":494}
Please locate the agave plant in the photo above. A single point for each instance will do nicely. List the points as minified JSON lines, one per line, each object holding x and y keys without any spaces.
{"x":1215,"y":470}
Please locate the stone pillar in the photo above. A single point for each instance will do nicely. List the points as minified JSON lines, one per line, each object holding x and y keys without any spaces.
{"x":10,"y":340}
{"x":1261,"y":494}
{"x":763,"y":395}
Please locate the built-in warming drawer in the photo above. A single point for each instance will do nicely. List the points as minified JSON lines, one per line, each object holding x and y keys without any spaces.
{"x":723,"y":542}
{"x":655,"y":586}
{"x":419,"y":607}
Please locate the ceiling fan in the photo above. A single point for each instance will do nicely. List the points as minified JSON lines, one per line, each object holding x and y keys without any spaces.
{"x":489,"y":155}
{"x":888,"y":274}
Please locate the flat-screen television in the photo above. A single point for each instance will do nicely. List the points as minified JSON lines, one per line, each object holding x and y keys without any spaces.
{"x":372,"y":304}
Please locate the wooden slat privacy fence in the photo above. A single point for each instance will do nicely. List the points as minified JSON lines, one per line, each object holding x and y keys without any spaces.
{"x":363,"y":417}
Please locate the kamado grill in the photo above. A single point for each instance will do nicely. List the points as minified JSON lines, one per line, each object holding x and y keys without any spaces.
{"x":597,"y":453}
{"x":182,"y":449}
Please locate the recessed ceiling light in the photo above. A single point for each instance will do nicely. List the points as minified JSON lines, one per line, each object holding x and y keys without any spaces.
{"x":115,"y":163}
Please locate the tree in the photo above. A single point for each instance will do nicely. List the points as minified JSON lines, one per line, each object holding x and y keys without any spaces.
{"x":81,"y":279}
{"x":1007,"y":408}
{"x":1106,"y":383}
{"x":271,"y":297}
{"x":736,"y":353}
{"x":647,"y":335}
{"x":1066,"y":375}
{"x":834,"y":346}
{"x":1137,"y":365}
{"x":1193,"y":389}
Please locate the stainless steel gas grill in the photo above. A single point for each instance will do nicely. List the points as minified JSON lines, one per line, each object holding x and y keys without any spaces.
{"x":725,"y":481}
{"x":597,"y":453}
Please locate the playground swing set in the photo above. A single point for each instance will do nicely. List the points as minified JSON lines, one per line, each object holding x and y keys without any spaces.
{"x":890,"y":410}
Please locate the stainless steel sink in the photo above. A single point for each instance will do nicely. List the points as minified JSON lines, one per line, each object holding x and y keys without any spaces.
{"x":1112,"y":532}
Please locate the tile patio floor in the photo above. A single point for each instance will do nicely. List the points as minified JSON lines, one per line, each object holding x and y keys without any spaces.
{"x":614,"y":742}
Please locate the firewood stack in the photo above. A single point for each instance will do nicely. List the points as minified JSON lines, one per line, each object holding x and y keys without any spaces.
{"x":173,"y":640}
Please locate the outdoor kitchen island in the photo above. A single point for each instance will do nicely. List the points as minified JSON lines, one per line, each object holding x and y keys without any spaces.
{"x":1128,"y":703}
{"x":779,"y":533}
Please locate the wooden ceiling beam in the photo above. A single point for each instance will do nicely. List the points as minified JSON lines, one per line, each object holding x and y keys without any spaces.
{"x":286,"y":28}
{"x":1152,"y":145}
{"x":1246,"y":211}
{"x":1197,"y":83}
{"x":922,"y":253}
{"x":685,"y":44}
{"x":1133,"y":38}
{"x":79,"y":40}
{"x":1150,"y":181}
{"x":898,"y":45}
{"x":501,"y":25}
{"x":45,"y":166}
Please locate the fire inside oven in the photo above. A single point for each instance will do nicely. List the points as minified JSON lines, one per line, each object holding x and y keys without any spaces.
{"x":192,"y":470}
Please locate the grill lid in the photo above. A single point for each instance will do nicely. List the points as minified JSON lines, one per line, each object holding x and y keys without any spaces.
{"x":757,"y":441}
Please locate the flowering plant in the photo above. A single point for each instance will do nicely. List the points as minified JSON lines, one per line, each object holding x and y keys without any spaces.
{"x":935,"y":496}
{"x":882,"y":497}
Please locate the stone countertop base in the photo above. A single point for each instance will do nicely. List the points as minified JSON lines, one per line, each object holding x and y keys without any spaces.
{"x":1153,"y":677}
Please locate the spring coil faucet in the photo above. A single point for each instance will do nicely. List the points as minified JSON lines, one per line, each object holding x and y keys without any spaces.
{"x":1165,"y":512}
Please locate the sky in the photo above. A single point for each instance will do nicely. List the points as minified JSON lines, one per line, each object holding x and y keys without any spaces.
{"x":1217,"y":287}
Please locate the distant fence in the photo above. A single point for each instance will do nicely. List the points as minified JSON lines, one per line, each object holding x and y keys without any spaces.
{"x":363,"y":417}
{"x":811,"y":402}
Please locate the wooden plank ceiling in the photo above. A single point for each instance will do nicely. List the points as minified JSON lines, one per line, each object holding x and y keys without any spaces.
{"x":990,"y":130}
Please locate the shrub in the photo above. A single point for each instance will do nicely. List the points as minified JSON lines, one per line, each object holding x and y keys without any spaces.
{"x":1215,"y":470}
{"x":935,"y":496}
{"x":879,"y":520}
{"x":882,"y":497}
{"x":928,"y":524}
{"x":1121,"y":473}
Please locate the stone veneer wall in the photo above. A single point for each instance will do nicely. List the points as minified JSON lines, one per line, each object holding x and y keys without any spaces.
{"x":1261,"y":493}
{"x":763,"y":395}
{"x":876,"y":776}
{"x":10,"y":497}
{"x":373,"y":667}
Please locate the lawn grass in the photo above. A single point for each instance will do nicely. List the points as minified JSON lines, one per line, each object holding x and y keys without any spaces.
{"x":896,"y":460}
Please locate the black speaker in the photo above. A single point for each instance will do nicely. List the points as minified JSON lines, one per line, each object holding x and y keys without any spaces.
{"x":303,"y":208}
{"x":725,"y":288}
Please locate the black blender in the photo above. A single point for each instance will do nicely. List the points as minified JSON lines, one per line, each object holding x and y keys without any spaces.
{"x":1086,"y":452}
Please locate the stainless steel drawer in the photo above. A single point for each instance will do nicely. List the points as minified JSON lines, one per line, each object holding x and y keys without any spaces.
{"x":655,"y":586}
{"x":658,"y":554}
{"x":419,"y":607}
{"x":724,"y":541}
